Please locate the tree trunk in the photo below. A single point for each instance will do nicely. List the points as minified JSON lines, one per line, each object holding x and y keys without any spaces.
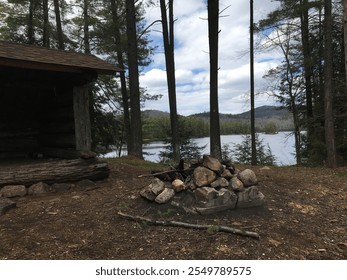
{"x":135,"y":142}
{"x":345,"y":35}
{"x":329,"y":88}
{"x":45,"y":24}
{"x":305,"y":32}
{"x":60,"y":34}
{"x":121,"y":64}
{"x":251,"y":31}
{"x":86,"y":39}
{"x":168,"y":38}
{"x":213,"y":31}
{"x":30,"y":31}
{"x":53,"y":172}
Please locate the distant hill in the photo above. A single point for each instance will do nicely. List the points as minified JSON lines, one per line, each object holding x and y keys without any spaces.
{"x":260,"y":112}
{"x":155,"y":114}
{"x":263,"y":112}
{"x":264,"y":116}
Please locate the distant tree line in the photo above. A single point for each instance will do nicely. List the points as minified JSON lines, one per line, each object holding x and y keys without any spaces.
{"x":158,"y":128}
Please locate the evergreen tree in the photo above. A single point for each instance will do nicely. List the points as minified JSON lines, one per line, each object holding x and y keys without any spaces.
{"x":243,"y":154}
{"x":305,"y":20}
{"x":187,"y":147}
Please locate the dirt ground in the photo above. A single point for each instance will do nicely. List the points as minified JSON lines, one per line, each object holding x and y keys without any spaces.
{"x":305,"y":217}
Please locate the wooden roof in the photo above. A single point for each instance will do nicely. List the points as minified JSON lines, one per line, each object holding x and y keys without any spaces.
{"x":40,"y":58}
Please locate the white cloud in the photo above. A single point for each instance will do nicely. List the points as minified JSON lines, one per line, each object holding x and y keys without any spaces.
{"x":154,"y":78}
{"x":192,"y":59}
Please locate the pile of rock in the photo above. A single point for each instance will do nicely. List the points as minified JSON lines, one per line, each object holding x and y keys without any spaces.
{"x":206,"y":187}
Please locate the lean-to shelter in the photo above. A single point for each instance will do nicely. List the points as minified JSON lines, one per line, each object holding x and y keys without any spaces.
{"x":44,"y":100}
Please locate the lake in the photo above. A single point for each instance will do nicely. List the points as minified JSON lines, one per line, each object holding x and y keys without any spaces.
{"x":281,"y":145}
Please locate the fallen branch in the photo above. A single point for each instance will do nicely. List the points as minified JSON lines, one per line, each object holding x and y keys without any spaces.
{"x":164,"y":172}
{"x":187,"y":225}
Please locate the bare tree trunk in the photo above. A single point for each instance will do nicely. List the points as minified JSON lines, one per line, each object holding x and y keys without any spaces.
{"x":121,"y":64}
{"x":213,"y":31}
{"x":59,"y":27}
{"x":135,"y":142}
{"x":86,"y":37}
{"x":345,"y":34}
{"x":45,"y":24}
{"x":30,"y":31}
{"x":168,"y":38}
{"x":304,"y":18}
{"x":329,"y":88}
{"x":251,"y":31}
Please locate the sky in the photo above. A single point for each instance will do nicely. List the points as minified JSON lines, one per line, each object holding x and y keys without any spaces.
{"x":192,"y":58}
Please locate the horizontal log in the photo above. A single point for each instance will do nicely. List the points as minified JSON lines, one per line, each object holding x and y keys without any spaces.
{"x":60,"y":114}
{"x":60,"y":153}
{"x":13,"y":154}
{"x":18,"y":144}
{"x":58,"y":171}
{"x":59,"y":101}
{"x":65,"y":140}
{"x":18,"y":133}
{"x":18,"y":125}
{"x":55,"y":127}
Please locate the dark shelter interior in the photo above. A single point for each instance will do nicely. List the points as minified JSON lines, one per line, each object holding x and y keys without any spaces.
{"x":44,"y":101}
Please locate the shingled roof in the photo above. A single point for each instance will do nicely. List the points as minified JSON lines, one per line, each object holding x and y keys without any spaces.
{"x":40,"y":58}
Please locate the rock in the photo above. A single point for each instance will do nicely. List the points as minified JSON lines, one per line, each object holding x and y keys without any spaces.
{"x":248,"y":177}
{"x":251,"y":197}
{"x":39,"y":189}
{"x":224,"y":200}
{"x":265,"y":168}
{"x":207,"y":197}
{"x":236,"y":184}
{"x":228,"y":163}
{"x":6,"y":204}
{"x":178,"y":185}
{"x":213,"y":164}
{"x":62,"y":187}
{"x":85,"y":183}
{"x":165,"y":196}
{"x":227,"y":174}
{"x":153,"y":190}
{"x":203,"y":176}
{"x":147,"y":193}
{"x":212,"y":210}
{"x":220,"y":183}
{"x":205,"y":194}
{"x":157,"y":186}
{"x":184,"y":199}
{"x":13,"y":191}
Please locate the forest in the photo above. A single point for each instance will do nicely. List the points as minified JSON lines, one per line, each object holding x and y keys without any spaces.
{"x":270,"y":120}
{"x":310,"y":81}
